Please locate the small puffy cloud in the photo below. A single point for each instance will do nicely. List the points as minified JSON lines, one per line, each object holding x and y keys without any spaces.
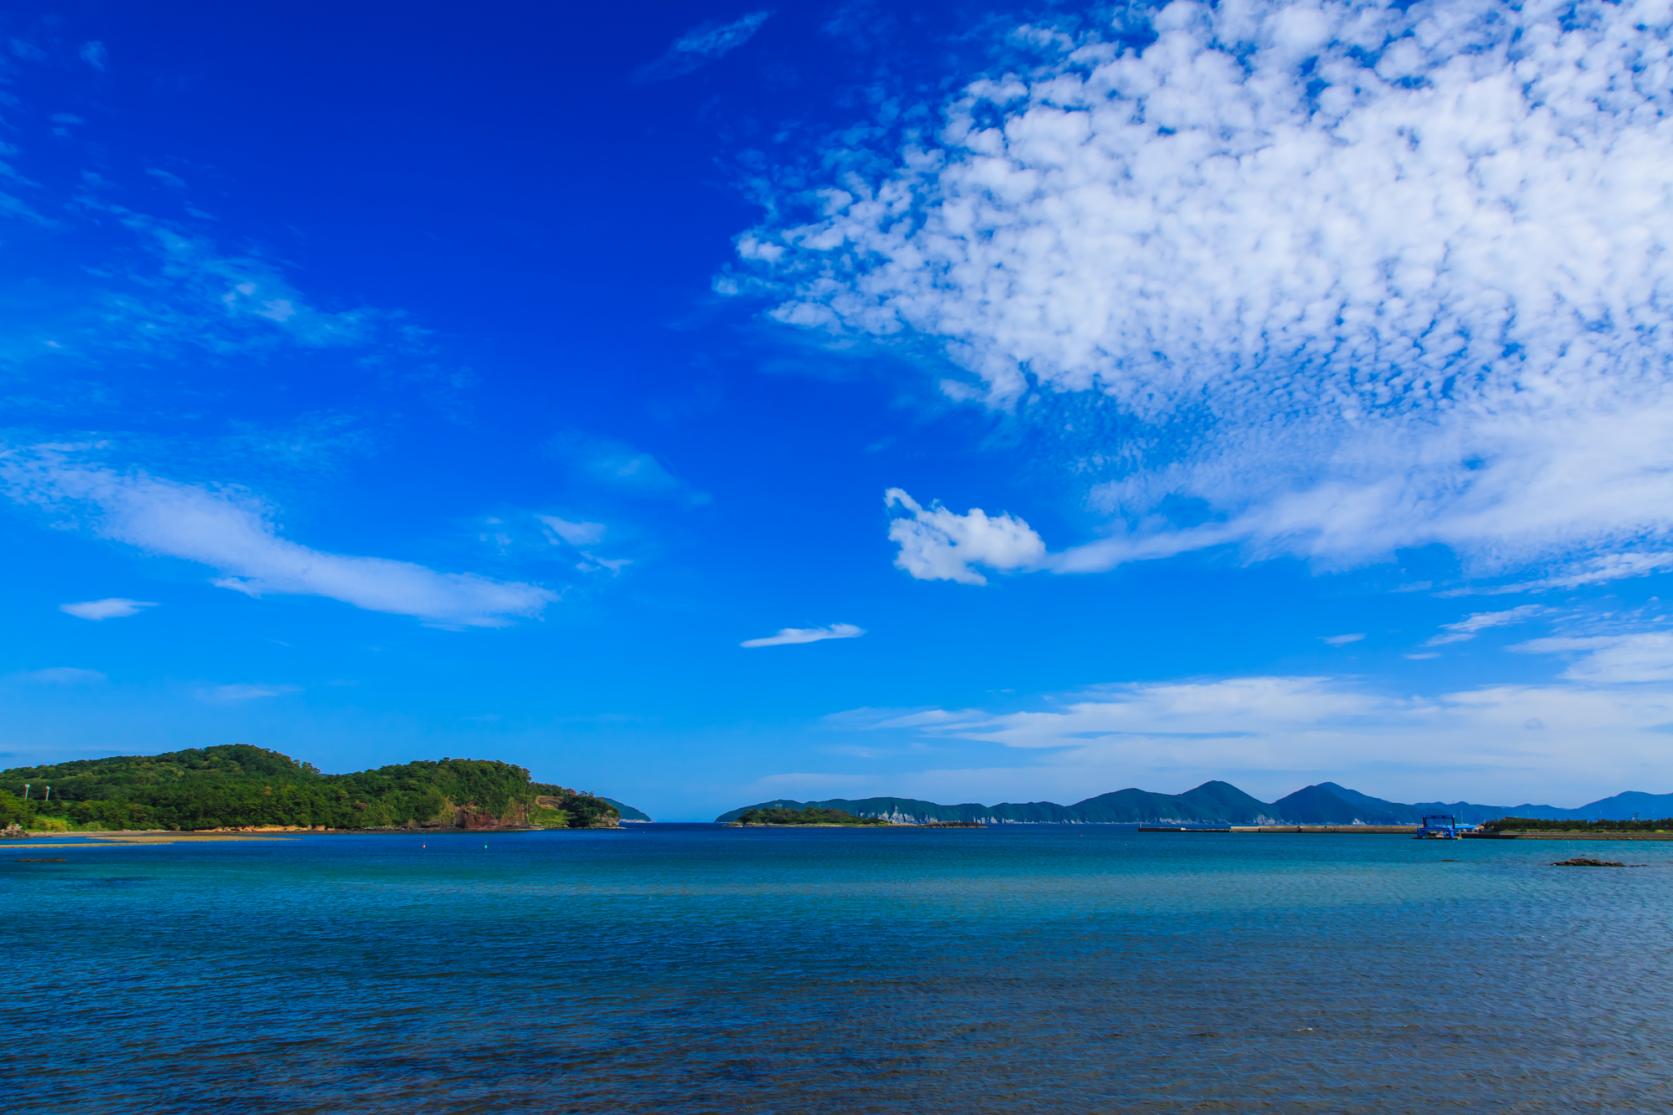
{"x":1472,"y":625}
{"x":232,"y":694}
{"x":1343,"y":640}
{"x":701,"y":45}
{"x":95,"y":55}
{"x":941,"y":545}
{"x":61,"y":675}
{"x":796,"y":636}
{"x":111,"y":607}
{"x":236,"y":535}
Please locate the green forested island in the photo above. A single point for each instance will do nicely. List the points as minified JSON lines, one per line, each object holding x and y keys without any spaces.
{"x":240,"y":786}
{"x":806,"y":815}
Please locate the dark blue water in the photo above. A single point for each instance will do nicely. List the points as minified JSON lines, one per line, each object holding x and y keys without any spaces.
{"x":693,"y":968}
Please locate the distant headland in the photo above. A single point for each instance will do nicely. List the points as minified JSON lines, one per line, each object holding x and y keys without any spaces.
{"x":238,"y":786}
{"x":1326,"y":803}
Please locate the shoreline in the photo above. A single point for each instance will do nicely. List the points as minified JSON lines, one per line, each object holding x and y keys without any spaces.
{"x":252,"y":833}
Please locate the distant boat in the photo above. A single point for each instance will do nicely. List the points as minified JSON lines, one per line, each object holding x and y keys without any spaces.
{"x":1441,"y":826}
{"x":1182,"y":827}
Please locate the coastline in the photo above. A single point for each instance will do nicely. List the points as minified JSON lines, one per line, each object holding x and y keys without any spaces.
{"x":96,"y":837}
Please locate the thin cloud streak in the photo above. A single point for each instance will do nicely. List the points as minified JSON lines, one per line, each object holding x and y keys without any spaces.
{"x":238,"y":693}
{"x":1472,"y":625}
{"x":797,"y":636}
{"x":702,"y":45}
{"x":111,"y":607}
{"x":61,"y":675}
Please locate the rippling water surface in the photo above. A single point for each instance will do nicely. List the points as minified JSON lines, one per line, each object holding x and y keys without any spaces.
{"x":697,"y":968}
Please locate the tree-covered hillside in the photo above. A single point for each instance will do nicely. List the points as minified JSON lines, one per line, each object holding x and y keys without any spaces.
{"x":238,"y":785}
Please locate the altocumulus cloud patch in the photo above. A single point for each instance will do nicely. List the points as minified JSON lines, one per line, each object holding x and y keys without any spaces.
{"x":1358,"y":277}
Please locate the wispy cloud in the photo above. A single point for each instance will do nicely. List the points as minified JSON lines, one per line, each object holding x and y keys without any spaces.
{"x":1593,"y":571}
{"x":232,"y":694}
{"x":111,"y":607}
{"x":1355,"y":278}
{"x":228,"y":300}
{"x":167,"y":177}
{"x":583,"y":538}
{"x":235,"y":534}
{"x":1632,"y":657}
{"x":574,"y":532}
{"x":796,"y":636}
{"x":612,"y":465}
{"x":1472,"y":625}
{"x":61,"y":675}
{"x":701,"y":45}
{"x":96,"y":55}
{"x":1343,"y":640}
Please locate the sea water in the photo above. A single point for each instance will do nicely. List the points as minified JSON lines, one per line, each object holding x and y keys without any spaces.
{"x":703,"y":968}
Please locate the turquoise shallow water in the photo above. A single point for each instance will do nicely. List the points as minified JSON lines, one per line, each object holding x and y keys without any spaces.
{"x":696,"y":968}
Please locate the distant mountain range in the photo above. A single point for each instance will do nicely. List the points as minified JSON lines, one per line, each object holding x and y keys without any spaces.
{"x":1220,"y":802}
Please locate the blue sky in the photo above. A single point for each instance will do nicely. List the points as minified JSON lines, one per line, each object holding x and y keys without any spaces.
{"x":701,"y":404}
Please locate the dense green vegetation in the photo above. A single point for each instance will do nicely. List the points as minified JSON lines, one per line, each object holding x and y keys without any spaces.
{"x":807,"y":815}
{"x":237,"y":785}
{"x":1538,"y":824}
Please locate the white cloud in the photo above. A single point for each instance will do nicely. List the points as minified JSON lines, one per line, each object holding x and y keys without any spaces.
{"x":1592,"y":571}
{"x":95,"y":55}
{"x":111,"y":607}
{"x":795,"y":636}
{"x":1354,"y":277}
{"x":1499,"y":744}
{"x":572,"y":531}
{"x":1472,"y":625}
{"x":941,"y":545}
{"x":1343,"y":640}
{"x":235,"y":535}
{"x":61,"y":675}
{"x":1233,"y":708}
{"x":1642,"y":656}
{"x":229,"y":694}
{"x":702,"y":45}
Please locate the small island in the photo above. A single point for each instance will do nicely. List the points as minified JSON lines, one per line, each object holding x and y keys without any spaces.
{"x":809,"y":816}
{"x":241,"y":787}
